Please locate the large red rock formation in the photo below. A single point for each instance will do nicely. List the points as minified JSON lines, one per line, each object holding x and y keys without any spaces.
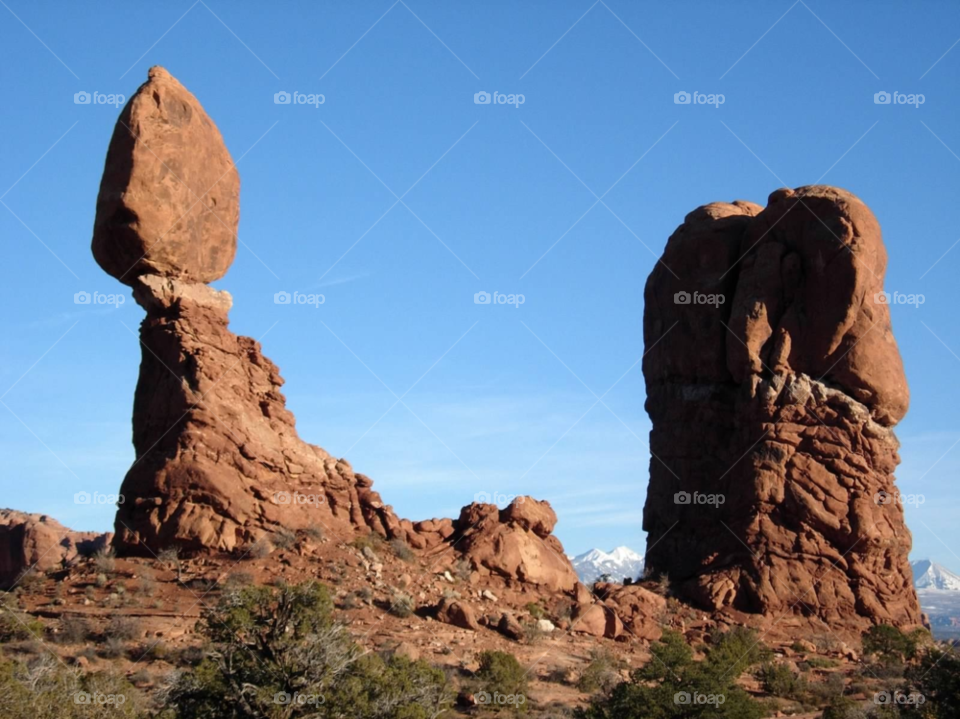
{"x":219,"y":464}
{"x":36,"y":542}
{"x":773,"y":383}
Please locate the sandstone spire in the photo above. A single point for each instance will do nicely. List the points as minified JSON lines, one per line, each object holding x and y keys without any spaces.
{"x":773,"y":383}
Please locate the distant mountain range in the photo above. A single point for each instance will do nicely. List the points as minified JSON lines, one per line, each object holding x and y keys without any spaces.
{"x":617,"y":563}
{"x":928,"y":575}
{"x":624,"y":562}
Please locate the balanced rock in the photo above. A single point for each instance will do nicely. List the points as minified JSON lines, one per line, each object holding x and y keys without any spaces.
{"x":169,"y":201}
{"x":773,"y":383}
{"x":219,"y":464}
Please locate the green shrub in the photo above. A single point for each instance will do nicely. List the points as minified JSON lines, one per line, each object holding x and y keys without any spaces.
{"x":889,"y":644}
{"x":501,"y":675}
{"x":674,"y":686}
{"x":16,"y":625}
{"x":780,"y":681}
{"x":602,"y":673}
{"x":46,"y":689}
{"x":937,"y":678}
{"x":277,"y":651}
{"x":535,"y":610}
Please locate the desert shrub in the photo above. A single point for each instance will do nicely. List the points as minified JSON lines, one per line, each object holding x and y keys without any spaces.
{"x":123,"y":628}
{"x":273,"y":645}
{"x":535,"y":610}
{"x":314,"y":532}
{"x":402,"y":550}
{"x":101,"y":580}
{"x":104,"y":560}
{"x":113,"y":648}
{"x":260,"y":549}
{"x":820,"y":663}
{"x":371,"y":541}
{"x":236,"y":580}
{"x":780,"y":681}
{"x":74,"y":630}
{"x":889,"y":644}
{"x":46,"y":689}
{"x":601,"y":674}
{"x":937,"y":677}
{"x":667,"y":687}
{"x":402,"y":605}
{"x":501,"y":674}
{"x":16,"y":625}
{"x":283,"y":538}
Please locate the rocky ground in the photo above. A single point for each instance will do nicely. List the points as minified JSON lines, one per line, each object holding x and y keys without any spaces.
{"x":137,"y":616}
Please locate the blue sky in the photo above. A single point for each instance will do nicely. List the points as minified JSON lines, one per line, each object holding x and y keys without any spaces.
{"x":502,"y":398}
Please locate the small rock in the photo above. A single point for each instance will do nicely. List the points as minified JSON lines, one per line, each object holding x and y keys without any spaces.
{"x":488,"y":595}
{"x":545,"y":625}
{"x":510,"y":627}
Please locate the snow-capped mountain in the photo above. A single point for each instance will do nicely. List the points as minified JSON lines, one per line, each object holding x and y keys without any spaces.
{"x":929,"y":575}
{"x":618,"y":563}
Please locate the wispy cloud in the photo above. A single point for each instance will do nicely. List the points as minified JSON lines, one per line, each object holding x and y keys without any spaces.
{"x":341,"y":280}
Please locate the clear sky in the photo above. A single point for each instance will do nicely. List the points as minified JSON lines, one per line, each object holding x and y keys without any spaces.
{"x":493,"y":197}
